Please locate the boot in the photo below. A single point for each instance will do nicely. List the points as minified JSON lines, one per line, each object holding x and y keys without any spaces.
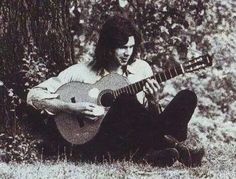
{"x":162,"y":158}
{"x":188,"y":157}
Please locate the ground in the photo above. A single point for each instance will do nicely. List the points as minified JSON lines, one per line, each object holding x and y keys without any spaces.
{"x":219,"y":162}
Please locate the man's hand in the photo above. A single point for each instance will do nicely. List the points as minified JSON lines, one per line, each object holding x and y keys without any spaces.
{"x":88,"y":110}
{"x":150,"y":89}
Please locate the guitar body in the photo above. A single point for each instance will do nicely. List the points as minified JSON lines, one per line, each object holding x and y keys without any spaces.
{"x":76,"y":129}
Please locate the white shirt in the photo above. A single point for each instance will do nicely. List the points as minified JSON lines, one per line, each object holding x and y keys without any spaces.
{"x":81,"y":72}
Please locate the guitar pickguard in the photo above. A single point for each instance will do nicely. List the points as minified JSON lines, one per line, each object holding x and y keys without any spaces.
{"x":93,"y":93}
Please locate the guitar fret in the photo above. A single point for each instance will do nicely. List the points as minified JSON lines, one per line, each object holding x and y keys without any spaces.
{"x":162,"y":77}
{"x":155,"y":78}
{"x":118,"y":91}
{"x":135,"y":88}
{"x":128,"y":90}
{"x":121,"y":91}
{"x":175,"y":71}
{"x":159,"y":76}
{"x":125,"y":90}
{"x":179,"y":70}
{"x":140,"y":85}
{"x":165,"y":78}
{"x":114,"y":93}
{"x":167,"y":75}
{"x":143,"y":82}
{"x":132,"y":89}
{"x":170,"y":73}
{"x":117,"y":94}
{"x":182,"y":68}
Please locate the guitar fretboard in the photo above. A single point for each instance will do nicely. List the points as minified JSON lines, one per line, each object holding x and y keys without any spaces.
{"x":159,"y":77}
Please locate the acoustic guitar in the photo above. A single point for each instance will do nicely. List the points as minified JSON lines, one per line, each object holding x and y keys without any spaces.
{"x":78,"y":130}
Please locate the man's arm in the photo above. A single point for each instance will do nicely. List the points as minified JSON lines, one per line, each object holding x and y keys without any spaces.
{"x":151,"y":90}
{"x":52,"y":106}
{"x":154,"y":107}
{"x":42,"y":99}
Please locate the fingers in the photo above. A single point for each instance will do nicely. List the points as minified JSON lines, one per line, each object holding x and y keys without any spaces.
{"x":147,"y":89}
{"x":154,"y":84}
{"x":93,"y":110}
{"x":151,"y":87}
{"x":91,"y":117}
{"x":88,"y":107}
{"x":89,"y":113}
{"x":95,"y":113}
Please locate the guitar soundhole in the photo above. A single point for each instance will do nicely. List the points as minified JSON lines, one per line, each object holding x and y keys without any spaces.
{"x":81,"y":122}
{"x":107,"y":99}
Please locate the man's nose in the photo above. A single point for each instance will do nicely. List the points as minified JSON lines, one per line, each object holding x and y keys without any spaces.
{"x":128,"y":51}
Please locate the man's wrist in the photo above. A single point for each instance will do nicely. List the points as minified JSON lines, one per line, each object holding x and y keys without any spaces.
{"x":154,"y":103}
{"x":67,"y":107}
{"x":57,"y":106}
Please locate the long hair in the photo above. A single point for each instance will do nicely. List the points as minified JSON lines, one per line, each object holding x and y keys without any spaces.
{"x":114,"y":34}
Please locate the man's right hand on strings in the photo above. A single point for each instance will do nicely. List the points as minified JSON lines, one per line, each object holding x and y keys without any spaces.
{"x":88,"y":110}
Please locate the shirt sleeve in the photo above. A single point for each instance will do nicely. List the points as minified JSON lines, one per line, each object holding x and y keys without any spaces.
{"x":48,"y":88}
{"x":45,"y":90}
{"x":148,"y":70}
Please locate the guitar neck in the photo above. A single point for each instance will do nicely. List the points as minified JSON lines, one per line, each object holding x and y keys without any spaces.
{"x":134,"y":88}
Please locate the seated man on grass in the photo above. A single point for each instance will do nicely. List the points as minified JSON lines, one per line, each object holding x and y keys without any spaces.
{"x":135,"y":127}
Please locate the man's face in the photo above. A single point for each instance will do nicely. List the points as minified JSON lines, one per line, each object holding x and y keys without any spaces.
{"x":123,"y":54}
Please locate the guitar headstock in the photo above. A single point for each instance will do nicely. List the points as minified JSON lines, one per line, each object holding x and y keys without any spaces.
{"x":198,"y":63}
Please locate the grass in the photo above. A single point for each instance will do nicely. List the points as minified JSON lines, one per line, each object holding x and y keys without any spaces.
{"x":219,"y":162}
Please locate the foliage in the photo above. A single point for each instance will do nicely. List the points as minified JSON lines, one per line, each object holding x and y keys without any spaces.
{"x":19,"y":148}
{"x":35,"y":43}
{"x":167,"y":26}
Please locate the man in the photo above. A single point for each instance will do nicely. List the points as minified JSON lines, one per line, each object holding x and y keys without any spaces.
{"x":135,"y":127}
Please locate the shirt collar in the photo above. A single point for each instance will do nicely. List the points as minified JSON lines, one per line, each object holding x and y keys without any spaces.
{"x":130,"y":70}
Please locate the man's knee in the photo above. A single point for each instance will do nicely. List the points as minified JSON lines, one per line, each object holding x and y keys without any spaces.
{"x":188,"y":96}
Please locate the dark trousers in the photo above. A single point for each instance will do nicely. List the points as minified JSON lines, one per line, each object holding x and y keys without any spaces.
{"x":129,"y":130}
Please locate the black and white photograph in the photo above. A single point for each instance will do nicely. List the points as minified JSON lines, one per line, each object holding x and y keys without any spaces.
{"x":110,"y":89}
